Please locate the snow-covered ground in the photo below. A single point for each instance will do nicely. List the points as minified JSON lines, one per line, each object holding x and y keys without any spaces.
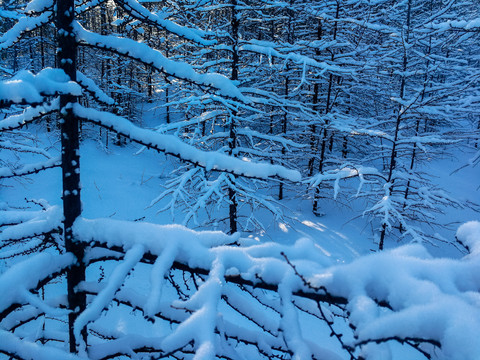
{"x":120,"y":182}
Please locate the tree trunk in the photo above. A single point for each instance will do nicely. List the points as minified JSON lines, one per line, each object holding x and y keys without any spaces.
{"x":70,"y":165}
{"x":393,"y":154}
{"x":328,"y":107}
{"x":232,"y":139}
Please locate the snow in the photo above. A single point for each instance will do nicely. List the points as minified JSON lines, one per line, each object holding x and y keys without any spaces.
{"x":160,"y":19}
{"x":434,"y":298}
{"x":32,"y":223}
{"x":468,"y":234}
{"x":470,"y":25}
{"x":30,"y":88}
{"x":24,"y":24}
{"x":267,"y":48}
{"x":90,"y":86}
{"x":26,"y":275}
{"x":24,"y":349}
{"x":253,"y":295}
{"x":104,"y":298}
{"x":37,"y":6}
{"x":428,"y":298}
{"x":30,"y":168}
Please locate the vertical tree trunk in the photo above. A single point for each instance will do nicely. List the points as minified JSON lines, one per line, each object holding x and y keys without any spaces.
{"x":66,"y":58}
{"x":393,"y":153}
{"x":284,"y":133}
{"x":290,"y":39}
{"x":232,"y":139}
{"x":316,"y":90}
{"x":328,"y":106}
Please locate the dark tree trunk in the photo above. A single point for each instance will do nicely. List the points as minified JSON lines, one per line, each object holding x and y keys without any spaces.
{"x":393,"y":154}
{"x":70,"y":165}
{"x":232,"y":140}
{"x":316,"y":90}
{"x":328,"y":107}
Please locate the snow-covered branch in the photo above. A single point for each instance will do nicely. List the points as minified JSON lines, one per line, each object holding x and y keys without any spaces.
{"x":136,"y":10}
{"x":24,"y":225}
{"x":28,"y":88}
{"x":171,"y":145}
{"x":29,"y":169}
{"x":29,"y":115}
{"x":24,"y":25}
{"x":156,"y":59}
{"x":390,"y":290}
{"x":92,"y":88}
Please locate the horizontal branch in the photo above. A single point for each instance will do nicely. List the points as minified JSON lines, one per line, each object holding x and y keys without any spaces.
{"x":29,"y":115}
{"x":30,"y":169}
{"x":259,"y":283}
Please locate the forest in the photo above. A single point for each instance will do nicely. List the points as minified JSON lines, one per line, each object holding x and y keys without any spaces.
{"x":257,"y":179}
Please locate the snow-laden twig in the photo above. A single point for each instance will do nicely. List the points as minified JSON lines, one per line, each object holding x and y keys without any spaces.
{"x":30,"y":224}
{"x":30,"y":168}
{"x":29,"y":115}
{"x":24,"y":349}
{"x":91,"y":87}
{"x":25,"y":24}
{"x":160,"y":20}
{"x":27,"y":274}
{"x":405,"y":279}
{"x":347,"y":172}
{"x":104,"y":298}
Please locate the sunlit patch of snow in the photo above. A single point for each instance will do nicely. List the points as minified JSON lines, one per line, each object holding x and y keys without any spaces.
{"x":327,"y":253}
{"x":283,"y":227}
{"x":311,"y":224}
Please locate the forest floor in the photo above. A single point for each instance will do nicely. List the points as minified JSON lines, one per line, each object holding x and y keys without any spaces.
{"x":120,"y":182}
